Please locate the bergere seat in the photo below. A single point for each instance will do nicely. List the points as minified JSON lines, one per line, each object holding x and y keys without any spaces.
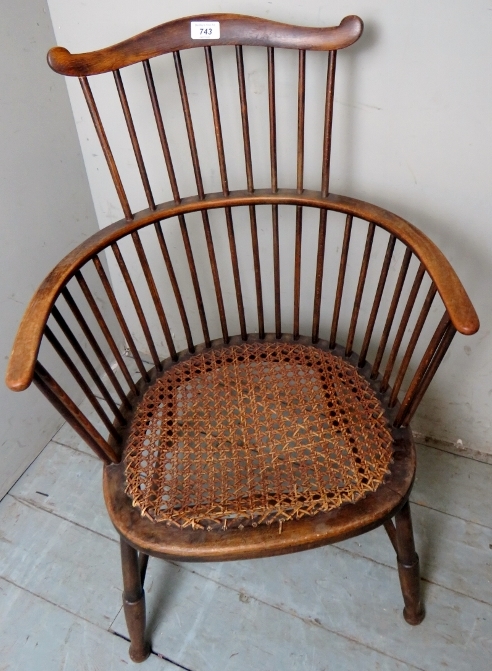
{"x":255,"y":428}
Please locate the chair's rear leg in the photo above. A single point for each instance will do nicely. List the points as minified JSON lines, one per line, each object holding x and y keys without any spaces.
{"x":408,"y":567}
{"x":134,"y":600}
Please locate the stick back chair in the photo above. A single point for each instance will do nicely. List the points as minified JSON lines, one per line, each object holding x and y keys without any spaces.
{"x":265,"y":432}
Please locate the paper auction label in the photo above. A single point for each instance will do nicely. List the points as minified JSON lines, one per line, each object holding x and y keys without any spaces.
{"x":205,"y":30}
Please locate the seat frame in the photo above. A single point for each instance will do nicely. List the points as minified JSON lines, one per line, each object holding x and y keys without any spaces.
{"x":140,"y":536}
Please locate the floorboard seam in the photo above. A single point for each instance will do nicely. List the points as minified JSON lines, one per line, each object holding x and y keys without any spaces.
{"x":359,"y":556}
{"x":29,"y":466}
{"x":306,"y":620}
{"x":52,"y":603}
{"x":94,"y":624}
{"x":476,"y":455}
{"x":462,"y":519}
{"x":74,"y":449}
{"x":427,"y":580}
{"x":110,"y":628}
{"x":455,"y":591}
{"x":153,"y":652}
{"x":31,"y":504}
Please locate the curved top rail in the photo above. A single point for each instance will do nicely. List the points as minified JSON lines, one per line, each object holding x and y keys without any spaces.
{"x":20,"y":369}
{"x":176,"y":35}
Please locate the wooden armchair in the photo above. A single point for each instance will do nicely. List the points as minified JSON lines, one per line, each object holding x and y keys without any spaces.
{"x":272,"y":435}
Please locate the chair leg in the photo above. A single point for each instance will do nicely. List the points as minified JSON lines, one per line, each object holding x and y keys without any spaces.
{"x":134,"y":601}
{"x":408,"y":567}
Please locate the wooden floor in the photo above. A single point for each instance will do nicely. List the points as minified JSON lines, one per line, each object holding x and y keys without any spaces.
{"x":333,"y":609}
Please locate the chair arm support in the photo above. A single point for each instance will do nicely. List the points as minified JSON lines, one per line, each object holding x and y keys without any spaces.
{"x":22,"y":361}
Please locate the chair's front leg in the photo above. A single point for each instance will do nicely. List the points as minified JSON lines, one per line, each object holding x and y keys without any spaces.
{"x":134,"y":602}
{"x":408,"y":567}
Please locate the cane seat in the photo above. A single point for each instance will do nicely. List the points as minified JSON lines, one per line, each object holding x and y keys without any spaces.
{"x":255,"y":433}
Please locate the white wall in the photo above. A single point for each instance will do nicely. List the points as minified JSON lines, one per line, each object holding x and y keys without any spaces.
{"x":413,"y":134}
{"x":45,"y":208}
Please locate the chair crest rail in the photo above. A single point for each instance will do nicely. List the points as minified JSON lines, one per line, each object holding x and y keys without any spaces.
{"x":235,"y":29}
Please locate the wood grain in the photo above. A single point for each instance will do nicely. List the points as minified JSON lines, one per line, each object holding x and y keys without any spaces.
{"x":174,"y":36}
{"x":26,"y":345}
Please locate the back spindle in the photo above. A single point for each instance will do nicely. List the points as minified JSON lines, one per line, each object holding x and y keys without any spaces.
{"x":249,"y":179}
{"x":201,"y":193}
{"x":330,"y":92}
{"x":142,"y":257}
{"x":137,"y":305}
{"x":429,"y":364}
{"x":105,"y":330}
{"x":412,"y":343}
{"x":274,"y":186}
{"x":189,"y":123}
{"x":225,"y":187}
{"x":119,"y":316}
{"x":175,"y":286}
{"x":377,"y":300}
{"x":216,"y":117}
{"x":272,"y":119}
{"x":318,"y":284}
{"x":341,"y":279}
{"x":91,"y":339}
{"x":161,"y":131}
{"x":134,"y":140}
{"x":360,"y":288}
{"x":79,"y":351}
{"x":108,"y":154}
{"x":79,"y":379}
{"x":301,"y":98}
{"x":194,"y":279}
{"x":391,"y":312}
{"x":71,"y":413}
{"x":412,"y":297}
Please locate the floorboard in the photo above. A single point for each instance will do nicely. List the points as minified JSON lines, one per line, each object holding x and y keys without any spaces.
{"x":61,"y":562}
{"x":454,"y":485}
{"x":204,"y":625}
{"x":336,"y":608}
{"x":39,"y":636}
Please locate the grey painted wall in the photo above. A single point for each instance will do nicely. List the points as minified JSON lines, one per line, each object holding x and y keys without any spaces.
{"x":45,"y":208}
{"x":412,"y":134}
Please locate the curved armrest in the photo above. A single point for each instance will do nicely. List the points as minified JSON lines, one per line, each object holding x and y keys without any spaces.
{"x":22,"y":361}
{"x":235,"y":29}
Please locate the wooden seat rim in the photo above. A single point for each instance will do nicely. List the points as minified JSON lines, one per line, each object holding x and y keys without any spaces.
{"x":349,"y":520}
{"x":159,"y":540}
{"x":21,"y":364}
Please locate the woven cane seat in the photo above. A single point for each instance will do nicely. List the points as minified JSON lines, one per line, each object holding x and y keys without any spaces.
{"x":255,"y":433}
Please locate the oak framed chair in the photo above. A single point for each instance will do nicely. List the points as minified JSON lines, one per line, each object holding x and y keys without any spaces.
{"x":266,"y":433}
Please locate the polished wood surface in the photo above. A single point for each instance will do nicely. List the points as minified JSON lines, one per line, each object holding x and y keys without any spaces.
{"x":175,"y":35}
{"x":162,"y":540}
{"x":26,"y":346}
{"x":421,"y":268}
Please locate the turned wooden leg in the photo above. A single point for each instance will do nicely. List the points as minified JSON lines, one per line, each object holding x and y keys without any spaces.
{"x":134,"y":600}
{"x":408,"y":567}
